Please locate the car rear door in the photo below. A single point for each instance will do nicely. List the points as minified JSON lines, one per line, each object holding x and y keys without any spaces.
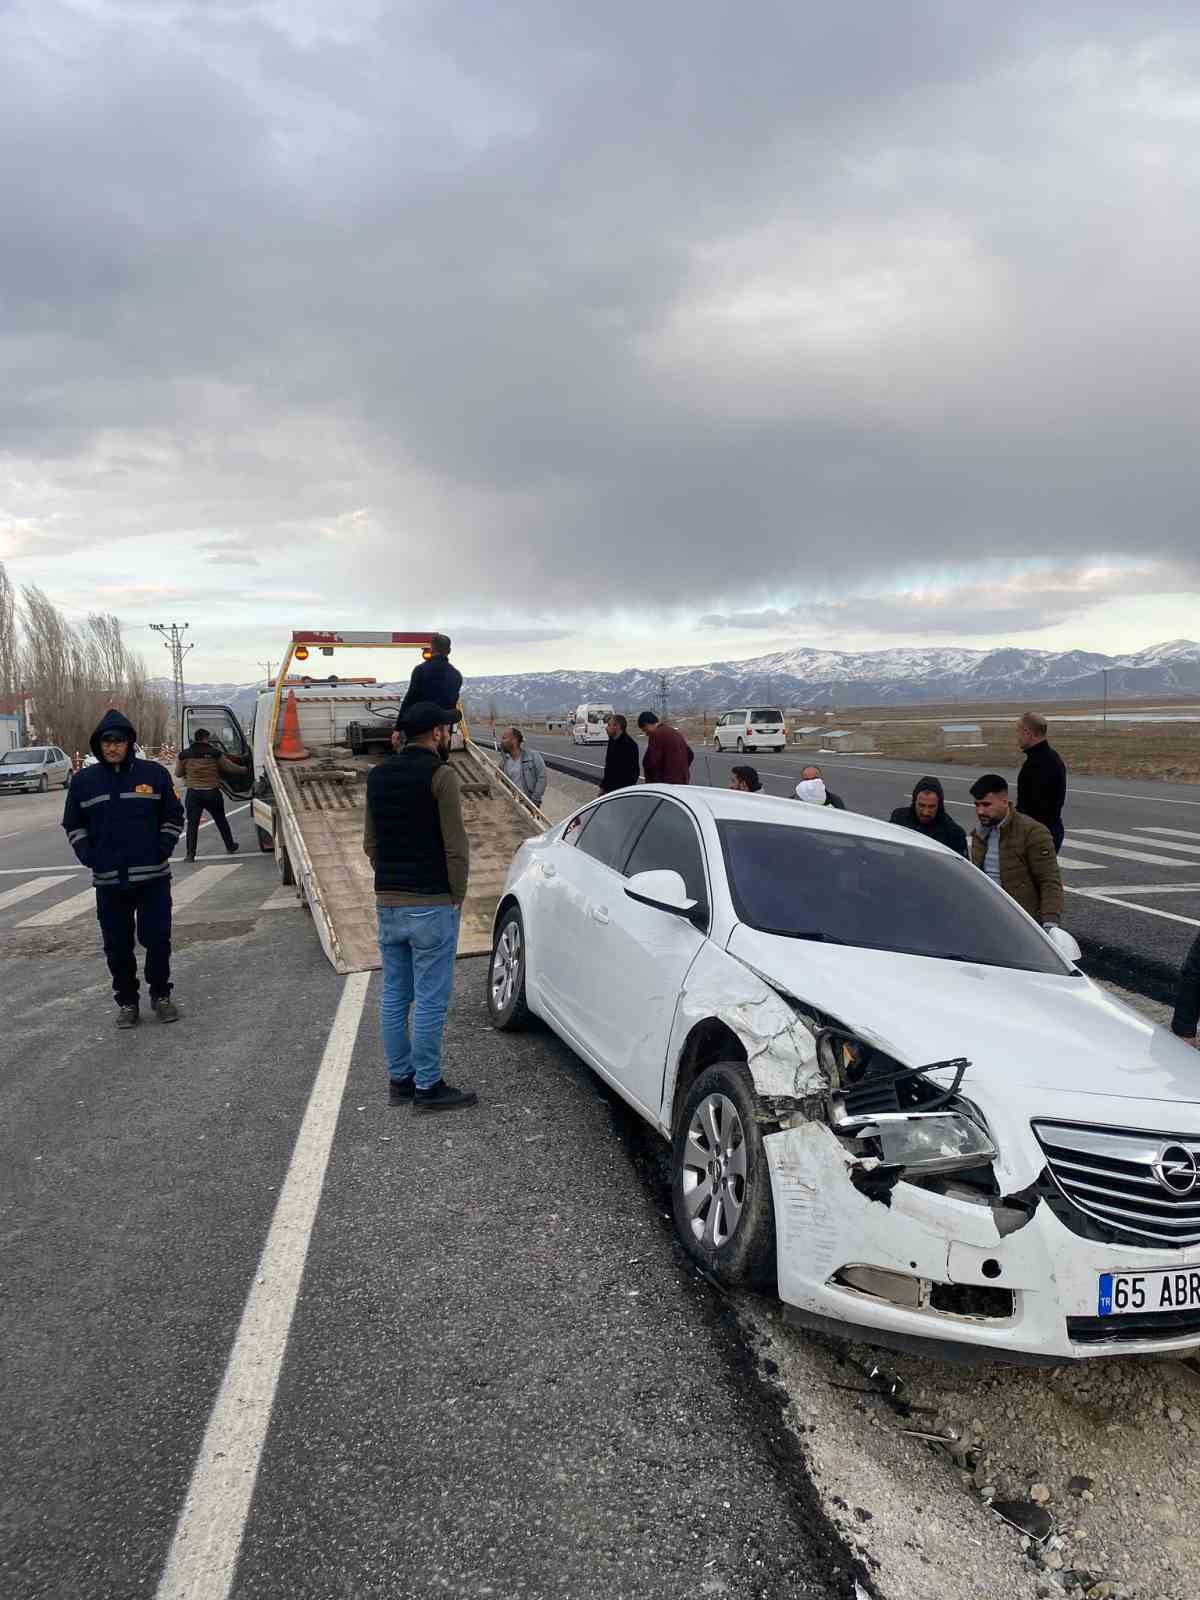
{"x":226,"y":735}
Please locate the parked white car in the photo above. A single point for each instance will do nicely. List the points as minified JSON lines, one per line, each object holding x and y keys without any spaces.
{"x":887,"y":1090}
{"x":40,"y":768}
{"x":751,"y":728}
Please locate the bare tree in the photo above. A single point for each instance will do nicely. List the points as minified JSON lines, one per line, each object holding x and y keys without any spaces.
{"x":9,"y":643}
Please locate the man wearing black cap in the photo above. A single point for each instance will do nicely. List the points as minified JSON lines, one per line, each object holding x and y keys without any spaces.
{"x":416,"y":841}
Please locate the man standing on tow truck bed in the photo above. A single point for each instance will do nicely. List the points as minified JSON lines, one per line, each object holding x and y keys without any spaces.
{"x":123,"y":820}
{"x":434,"y":681}
{"x":200,"y":766}
{"x":1016,"y":852}
{"x":414,"y":837}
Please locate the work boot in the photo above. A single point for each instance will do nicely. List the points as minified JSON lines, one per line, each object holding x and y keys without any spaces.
{"x":400,"y":1090}
{"x":127,"y":1017}
{"x":443,"y":1096}
{"x":232,"y":849}
{"x":165,"y":1009}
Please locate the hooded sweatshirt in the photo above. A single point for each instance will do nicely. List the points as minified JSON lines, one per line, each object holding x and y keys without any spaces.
{"x":435,"y":680}
{"x":943,"y":828}
{"x":123,"y":821}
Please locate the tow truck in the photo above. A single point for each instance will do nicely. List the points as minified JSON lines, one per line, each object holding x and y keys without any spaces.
{"x":309,"y":812}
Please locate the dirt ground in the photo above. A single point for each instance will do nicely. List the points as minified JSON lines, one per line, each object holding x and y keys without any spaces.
{"x":1166,"y":750}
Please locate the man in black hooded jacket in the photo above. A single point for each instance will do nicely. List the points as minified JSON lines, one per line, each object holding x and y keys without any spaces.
{"x":927,"y":816}
{"x":435,"y":680}
{"x":123,"y":819}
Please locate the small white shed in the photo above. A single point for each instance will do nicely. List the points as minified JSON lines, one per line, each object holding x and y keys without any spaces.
{"x":812,"y":734}
{"x":961,"y":733}
{"x":854,"y":739}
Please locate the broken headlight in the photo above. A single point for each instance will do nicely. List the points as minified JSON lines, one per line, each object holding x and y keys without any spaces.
{"x":929,"y":1141}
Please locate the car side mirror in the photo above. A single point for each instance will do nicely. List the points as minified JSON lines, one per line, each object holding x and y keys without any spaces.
{"x":664,"y":890}
{"x":1064,"y":944}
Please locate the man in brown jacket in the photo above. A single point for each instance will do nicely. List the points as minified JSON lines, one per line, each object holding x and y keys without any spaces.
{"x":1016,"y":852}
{"x":200,"y":766}
{"x":668,"y":758}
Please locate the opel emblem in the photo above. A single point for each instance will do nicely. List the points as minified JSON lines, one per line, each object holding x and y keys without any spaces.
{"x":1175,"y":1168}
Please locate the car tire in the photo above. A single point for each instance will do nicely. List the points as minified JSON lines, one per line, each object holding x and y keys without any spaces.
{"x":736,"y":1243}
{"x":265,"y":841}
{"x":741,"y":747}
{"x":506,"y":1002}
{"x":43,"y":784}
{"x":779,"y":749}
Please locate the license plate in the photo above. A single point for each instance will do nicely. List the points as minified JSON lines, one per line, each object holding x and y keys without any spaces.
{"x":1124,"y":1294}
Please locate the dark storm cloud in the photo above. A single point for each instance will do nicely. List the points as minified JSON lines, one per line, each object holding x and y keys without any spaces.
{"x":605,"y":305}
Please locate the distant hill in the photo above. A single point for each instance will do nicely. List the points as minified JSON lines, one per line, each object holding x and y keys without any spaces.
{"x":811,"y":677}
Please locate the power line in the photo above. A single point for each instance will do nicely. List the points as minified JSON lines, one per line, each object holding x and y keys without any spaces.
{"x":173,"y":633}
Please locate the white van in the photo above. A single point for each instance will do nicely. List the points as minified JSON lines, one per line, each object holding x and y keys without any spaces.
{"x":591,"y":724}
{"x":751,"y":728}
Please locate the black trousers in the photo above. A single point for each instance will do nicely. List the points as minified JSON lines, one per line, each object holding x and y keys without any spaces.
{"x":144,"y":909}
{"x":1057,"y":832}
{"x":197,"y":802}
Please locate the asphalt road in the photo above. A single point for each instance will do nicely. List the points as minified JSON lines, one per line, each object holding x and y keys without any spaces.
{"x":1131,"y":857}
{"x":501,"y":1378}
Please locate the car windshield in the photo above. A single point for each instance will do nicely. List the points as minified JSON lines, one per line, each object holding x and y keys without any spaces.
{"x":22,"y":758}
{"x":840,"y":888}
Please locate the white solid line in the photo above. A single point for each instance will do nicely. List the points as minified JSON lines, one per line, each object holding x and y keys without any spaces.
{"x":185,"y":890}
{"x":203,"y":1556}
{"x":1081,"y":866}
{"x":1088,"y":847}
{"x":1178,"y":833}
{"x":837,"y":765}
{"x":208,"y":821}
{"x":26,"y":891}
{"x":1134,"y":838}
{"x":1150,"y":911}
{"x":65,"y":911}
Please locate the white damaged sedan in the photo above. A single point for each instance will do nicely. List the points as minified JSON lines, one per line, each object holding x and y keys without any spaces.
{"x":888,"y":1092}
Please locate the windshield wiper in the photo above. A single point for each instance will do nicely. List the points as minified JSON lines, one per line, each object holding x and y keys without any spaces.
{"x":814,"y":934}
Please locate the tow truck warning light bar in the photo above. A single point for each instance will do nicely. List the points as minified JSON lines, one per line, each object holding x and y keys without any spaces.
{"x":306,"y":636}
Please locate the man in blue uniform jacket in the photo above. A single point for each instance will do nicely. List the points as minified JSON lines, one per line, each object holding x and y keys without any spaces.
{"x":123,"y":820}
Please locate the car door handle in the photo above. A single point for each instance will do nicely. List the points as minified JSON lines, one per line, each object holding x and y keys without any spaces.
{"x":600,"y":914}
{"x":549,"y":870}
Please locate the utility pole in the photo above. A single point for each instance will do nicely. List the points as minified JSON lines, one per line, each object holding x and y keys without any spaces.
{"x":1105,"y":671}
{"x":662,"y":696}
{"x":173,"y":633}
{"x":266,"y":666}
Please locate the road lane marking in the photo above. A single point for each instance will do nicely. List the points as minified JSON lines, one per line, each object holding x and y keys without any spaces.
{"x":65,"y":911}
{"x":203,"y":1556}
{"x":837,"y":765}
{"x":185,"y":890}
{"x":1149,"y":911}
{"x":1146,"y":888}
{"x":1078,"y":834}
{"x":26,"y":891}
{"x":208,"y":822}
{"x":280,"y":900}
{"x":1087,"y":846}
{"x":1081,"y":866}
{"x":1179,"y":833}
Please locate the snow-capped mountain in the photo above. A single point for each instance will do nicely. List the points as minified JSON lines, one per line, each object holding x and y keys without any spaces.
{"x":810,"y":677}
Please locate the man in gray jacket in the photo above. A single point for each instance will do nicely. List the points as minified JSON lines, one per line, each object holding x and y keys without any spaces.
{"x":523,"y":767}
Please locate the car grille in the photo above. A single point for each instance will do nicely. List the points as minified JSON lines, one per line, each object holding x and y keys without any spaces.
{"x":1155,"y":1325}
{"x":1109,"y":1174}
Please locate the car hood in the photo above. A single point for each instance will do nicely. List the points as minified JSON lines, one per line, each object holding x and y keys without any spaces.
{"x":9,"y":770}
{"x":1016,"y":1028}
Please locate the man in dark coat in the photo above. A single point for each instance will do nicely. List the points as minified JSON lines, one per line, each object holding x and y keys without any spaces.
{"x":433,"y":682}
{"x":927,"y":815}
{"x":620,"y":759}
{"x":1042,"y":780}
{"x":668,"y":758}
{"x":1187,"y":999}
{"x":123,"y":820}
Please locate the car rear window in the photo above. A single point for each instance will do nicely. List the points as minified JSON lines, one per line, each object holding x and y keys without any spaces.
{"x":766,"y":714}
{"x":847,"y":889}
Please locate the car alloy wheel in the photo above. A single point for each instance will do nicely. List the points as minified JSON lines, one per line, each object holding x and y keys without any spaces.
{"x":714,"y":1171}
{"x":741,"y":746}
{"x":506,"y":974}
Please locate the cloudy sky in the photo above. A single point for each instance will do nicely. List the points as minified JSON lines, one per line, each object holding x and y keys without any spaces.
{"x":601,"y":332}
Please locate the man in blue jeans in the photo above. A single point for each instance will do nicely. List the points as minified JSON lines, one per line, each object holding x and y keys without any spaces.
{"x":415,"y":839}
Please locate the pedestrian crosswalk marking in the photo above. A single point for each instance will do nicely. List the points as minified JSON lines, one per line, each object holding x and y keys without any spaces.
{"x":280,"y":900}
{"x":1144,"y":888}
{"x":65,"y":911}
{"x":26,"y":891}
{"x":185,"y":890}
{"x":1081,"y":866}
{"x":1080,"y":836}
{"x":1177,"y":833}
{"x":1125,"y":855}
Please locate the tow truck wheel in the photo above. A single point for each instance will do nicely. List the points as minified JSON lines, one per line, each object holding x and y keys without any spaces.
{"x":265,"y":841}
{"x":720,"y":1182}
{"x":506,"y":975}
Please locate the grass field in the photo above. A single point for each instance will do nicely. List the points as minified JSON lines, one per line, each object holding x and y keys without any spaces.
{"x":1166,"y":750}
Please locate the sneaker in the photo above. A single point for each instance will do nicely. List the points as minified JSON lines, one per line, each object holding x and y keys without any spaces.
{"x":232,"y":849}
{"x":165,"y":1009}
{"x":443,"y":1096}
{"x":400,"y":1090}
{"x":127,"y":1017}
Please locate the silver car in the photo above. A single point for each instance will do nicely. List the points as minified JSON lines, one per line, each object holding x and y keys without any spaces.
{"x":40,"y":768}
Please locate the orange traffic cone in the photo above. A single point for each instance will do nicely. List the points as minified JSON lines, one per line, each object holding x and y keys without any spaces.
{"x":289,"y":747}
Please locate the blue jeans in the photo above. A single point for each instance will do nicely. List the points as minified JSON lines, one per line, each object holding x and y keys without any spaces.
{"x":418,"y":945}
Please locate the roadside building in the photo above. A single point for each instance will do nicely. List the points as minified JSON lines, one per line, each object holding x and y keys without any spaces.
{"x":14,"y":722}
{"x":956,"y":734}
{"x":811,"y":734}
{"x":843,"y":740}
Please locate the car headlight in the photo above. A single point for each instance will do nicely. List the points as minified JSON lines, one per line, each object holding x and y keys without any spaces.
{"x":930,"y":1141}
